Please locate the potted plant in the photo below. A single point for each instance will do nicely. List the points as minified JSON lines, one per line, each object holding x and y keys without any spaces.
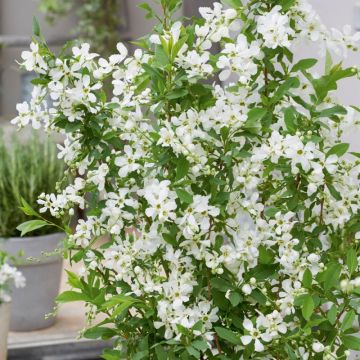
{"x":27,"y":169}
{"x":232,"y":210}
{"x":8,"y":276}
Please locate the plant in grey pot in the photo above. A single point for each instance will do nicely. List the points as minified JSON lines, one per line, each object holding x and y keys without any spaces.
{"x":8,"y":275}
{"x":28,"y":169}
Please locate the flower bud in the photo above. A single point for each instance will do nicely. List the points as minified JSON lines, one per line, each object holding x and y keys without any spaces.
{"x":246,"y":289}
{"x":318,"y":347}
{"x":346,"y":286}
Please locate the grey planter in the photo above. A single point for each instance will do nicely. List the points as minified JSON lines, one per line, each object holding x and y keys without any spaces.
{"x":43,"y":277}
{"x":5,"y":310}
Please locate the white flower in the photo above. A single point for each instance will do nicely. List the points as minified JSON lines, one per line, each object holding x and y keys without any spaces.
{"x":9,"y":275}
{"x":173,"y":34}
{"x":273,"y":323}
{"x":127,"y":162}
{"x":83,"y":90}
{"x":98,"y":176}
{"x":275,"y":28}
{"x":299,"y":153}
{"x":33,"y":60}
{"x":82,"y":53}
{"x":345,"y":40}
{"x":239,"y":59}
{"x":196,"y":64}
{"x":209,"y":14}
{"x":311,"y":27}
{"x":254,"y":335}
{"x":118,"y":58}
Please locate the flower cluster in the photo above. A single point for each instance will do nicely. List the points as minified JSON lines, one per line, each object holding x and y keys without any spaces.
{"x":221,"y":220}
{"x":8,"y":275}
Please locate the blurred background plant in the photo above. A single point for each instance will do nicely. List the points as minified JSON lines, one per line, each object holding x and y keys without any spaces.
{"x":99,"y":21}
{"x":27,"y":169}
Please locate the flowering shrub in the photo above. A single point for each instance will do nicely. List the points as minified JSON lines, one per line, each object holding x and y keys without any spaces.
{"x":8,"y":275}
{"x":231,"y":211}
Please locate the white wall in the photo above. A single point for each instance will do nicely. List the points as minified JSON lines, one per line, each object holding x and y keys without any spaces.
{"x":336,"y":13}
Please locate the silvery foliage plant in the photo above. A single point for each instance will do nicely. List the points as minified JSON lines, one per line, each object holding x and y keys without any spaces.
{"x":9,"y":276}
{"x":229,"y":214}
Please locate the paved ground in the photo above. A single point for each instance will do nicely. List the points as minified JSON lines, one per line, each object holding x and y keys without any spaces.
{"x":59,"y":342}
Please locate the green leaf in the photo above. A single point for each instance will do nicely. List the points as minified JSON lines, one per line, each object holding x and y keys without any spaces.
{"x":334,"y":192}
{"x":220,"y":284}
{"x":308,"y":307}
{"x":235,"y":298}
{"x":271,"y":211}
{"x":193,"y":352}
{"x":149,"y":11}
{"x":307,"y":279}
{"x":161,"y":57}
{"x":283,"y":89}
{"x":328,"y":62}
{"x":339,"y":150}
{"x":331,"y":276}
{"x":332,"y":314}
{"x":111,"y":355}
{"x":264,"y":272}
{"x":152,"y":71}
{"x":201,"y":345}
{"x":232,"y":3}
{"x":287,"y":4}
{"x":70,"y":296}
{"x":356,"y":154}
{"x":144,"y":354}
{"x":36,"y":27}
{"x":328,"y":82}
{"x":351,"y":260}
{"x":40,"y":81}
{"x":256,"y":114}
{"x":351,"y":342}
{"x":348,"y":320}
{"x":290,"y":352}
{"x":27,"y":209}
{"x":184,"y":196}
{"x":177,"y":47}
{"x":258,"y":296}
{"x":266,"y":256}
{"x":160,"y":353}
{"x":335,"y":110}
{"x":304,"y":65}
{"x":254,"y":118}
{"x":73,"y":280}
{"x":31,"y":225}
{"x":228,"y":335}
{"x":177,"y":93}
{"x":119,"y":300}
{"x":99,"y":332}
{"x":289,"y":118}
{"x":170,"y":239}
{"x":182,"y":168}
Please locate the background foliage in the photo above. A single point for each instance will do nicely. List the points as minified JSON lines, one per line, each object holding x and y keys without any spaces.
{"x":99,"y":21}
{"x":27,"y":169}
